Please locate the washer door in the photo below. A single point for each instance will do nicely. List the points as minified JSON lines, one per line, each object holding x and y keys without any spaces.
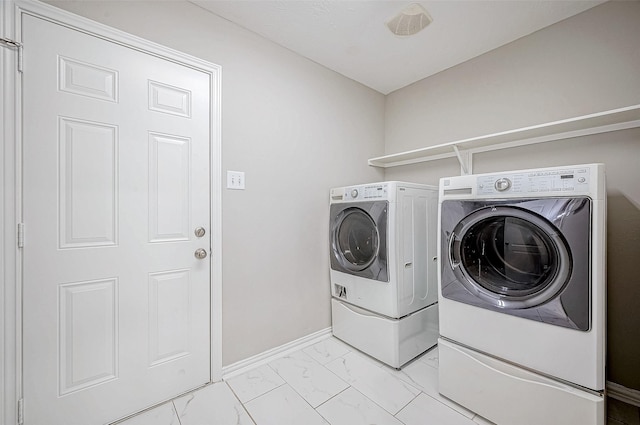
{"x":529,"y":258}
{"x":358,"y":239}
{"x":509,"y":257}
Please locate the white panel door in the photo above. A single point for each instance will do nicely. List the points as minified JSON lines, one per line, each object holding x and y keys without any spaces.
{"x":116,"y":306}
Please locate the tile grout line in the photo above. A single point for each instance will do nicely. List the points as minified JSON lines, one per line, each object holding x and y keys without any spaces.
{"x":319,"y":364}
{"x":381,"y":365}
{"x":175,"y":410}
{"x":241,"y":403}
{"x":322,"y":404}
{"x":419,"y":387}
{"x":332,"y":397}
{"x":315,"y":409}
{"x":405,"y":406}
{"x":260,"y":395}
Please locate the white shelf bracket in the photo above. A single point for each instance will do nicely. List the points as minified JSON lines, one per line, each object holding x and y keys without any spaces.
{"x":464,"y":157}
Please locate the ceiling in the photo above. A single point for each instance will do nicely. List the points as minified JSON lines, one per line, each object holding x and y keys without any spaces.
{"x":350,"y":36}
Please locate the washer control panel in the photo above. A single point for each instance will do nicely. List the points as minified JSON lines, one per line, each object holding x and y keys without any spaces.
{"x":560,"y":180}
{"x":373,"y":191}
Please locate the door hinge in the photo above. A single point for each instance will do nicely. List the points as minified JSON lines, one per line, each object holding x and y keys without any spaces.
{"x":20,"y":411}
{"x":13,"y":44}
{"x":20,"y":235}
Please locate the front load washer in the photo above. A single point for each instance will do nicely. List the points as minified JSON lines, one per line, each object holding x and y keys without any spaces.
{"x":522,"y":294}
{"x":383,"y":268}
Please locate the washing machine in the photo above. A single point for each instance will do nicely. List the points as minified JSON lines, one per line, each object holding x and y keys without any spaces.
{"x":522,"y":294}
{"x":383,"y":268}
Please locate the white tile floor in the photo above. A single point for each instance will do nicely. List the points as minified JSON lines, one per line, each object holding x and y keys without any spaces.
{"x":327,"y":383}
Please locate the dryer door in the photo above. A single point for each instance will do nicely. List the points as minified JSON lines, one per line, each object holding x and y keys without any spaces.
{"x":518,"y":258}
{"x":358,"y":239}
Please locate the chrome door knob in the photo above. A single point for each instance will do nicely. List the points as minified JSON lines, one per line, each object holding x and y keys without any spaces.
{"x":200,"y":254}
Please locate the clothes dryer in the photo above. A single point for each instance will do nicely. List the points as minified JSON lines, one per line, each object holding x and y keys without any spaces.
{"x":522,"y":294}
{"x":383,"y":268}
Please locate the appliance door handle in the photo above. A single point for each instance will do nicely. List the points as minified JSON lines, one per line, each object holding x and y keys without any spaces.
{"x":514,"y":372}
{"x":359,"y":311}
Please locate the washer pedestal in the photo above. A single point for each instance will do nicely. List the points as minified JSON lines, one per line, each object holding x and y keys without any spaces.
{"x":507,"y":394}
{"x":392,"y":341}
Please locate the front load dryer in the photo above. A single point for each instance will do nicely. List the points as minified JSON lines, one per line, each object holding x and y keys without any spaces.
{"x":383,"y":268}
{"x":522,"y":294}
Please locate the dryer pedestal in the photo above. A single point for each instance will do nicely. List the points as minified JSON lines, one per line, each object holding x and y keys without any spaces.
{"x":392,"y":341}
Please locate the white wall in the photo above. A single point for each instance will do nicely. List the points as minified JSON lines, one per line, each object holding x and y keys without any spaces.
{"x":585,"y":64}
{"x":296,"y":129}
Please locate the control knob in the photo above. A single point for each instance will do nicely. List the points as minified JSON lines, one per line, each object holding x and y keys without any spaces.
{"x":354,"y":193}
{"x":502,"y":184}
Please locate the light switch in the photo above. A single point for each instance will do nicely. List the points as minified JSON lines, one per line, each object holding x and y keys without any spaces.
{"x":235,"y":180}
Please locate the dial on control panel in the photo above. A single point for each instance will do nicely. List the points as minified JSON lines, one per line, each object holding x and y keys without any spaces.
{"x":502,"y":184}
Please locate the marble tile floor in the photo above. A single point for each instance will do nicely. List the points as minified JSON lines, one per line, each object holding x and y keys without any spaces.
{"x":326,"y":383}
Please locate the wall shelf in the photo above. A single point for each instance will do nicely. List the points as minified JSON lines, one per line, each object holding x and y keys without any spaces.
{"x":601,"y":122}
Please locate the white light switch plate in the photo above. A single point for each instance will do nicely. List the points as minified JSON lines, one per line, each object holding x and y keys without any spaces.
{"x":235,"y":180}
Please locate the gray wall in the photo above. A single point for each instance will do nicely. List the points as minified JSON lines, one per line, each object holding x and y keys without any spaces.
{"x":296,"y":129}
{"x":585,"y":64}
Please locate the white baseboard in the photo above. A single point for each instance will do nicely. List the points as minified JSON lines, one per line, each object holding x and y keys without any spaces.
{"x":623,"y":393}
{"x":277,"y":352}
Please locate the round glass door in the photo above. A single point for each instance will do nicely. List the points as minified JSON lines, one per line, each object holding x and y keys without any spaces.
{"x":356,"y":239}
{"x":510,"y":257}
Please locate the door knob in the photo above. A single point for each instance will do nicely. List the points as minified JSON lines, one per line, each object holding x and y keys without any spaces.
{"x":200,"y":254}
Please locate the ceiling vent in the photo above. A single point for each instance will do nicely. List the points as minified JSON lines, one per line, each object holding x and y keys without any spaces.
{"x":413,"y":19}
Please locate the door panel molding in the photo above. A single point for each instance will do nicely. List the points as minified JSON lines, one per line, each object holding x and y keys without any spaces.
{"x":10,"y":209}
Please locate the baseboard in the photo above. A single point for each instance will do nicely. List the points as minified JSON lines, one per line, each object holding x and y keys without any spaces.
{"x":270,"y":355}
{"x":623,"y":393}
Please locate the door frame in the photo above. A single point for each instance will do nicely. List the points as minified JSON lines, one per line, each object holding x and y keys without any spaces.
{"x":11,"y":12}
